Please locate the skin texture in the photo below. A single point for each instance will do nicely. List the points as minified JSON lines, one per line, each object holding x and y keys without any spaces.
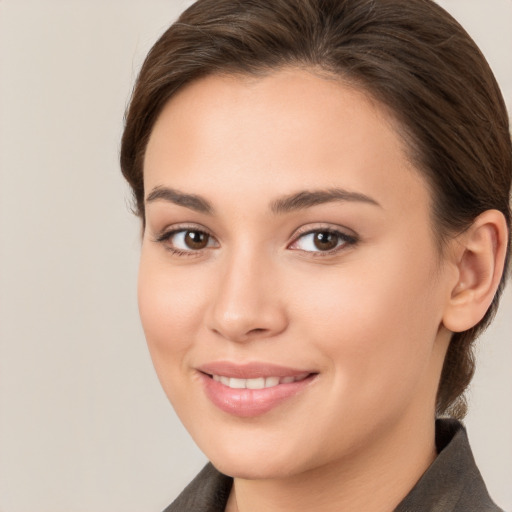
{"x":369,"y":319}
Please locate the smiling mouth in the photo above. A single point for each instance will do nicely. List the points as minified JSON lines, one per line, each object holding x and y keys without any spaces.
{"x":259,"y":382}
{"x":252,"y":390}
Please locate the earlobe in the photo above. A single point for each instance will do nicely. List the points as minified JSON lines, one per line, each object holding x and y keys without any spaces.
{"x":480,"y":258}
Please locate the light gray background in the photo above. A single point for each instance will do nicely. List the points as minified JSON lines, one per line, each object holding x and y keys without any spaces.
{"x":84,"y":425}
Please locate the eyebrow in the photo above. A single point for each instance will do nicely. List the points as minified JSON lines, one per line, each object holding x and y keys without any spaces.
{"x":293,"y":202}
{"x":307,"y":199}
{"x":191,"y":201}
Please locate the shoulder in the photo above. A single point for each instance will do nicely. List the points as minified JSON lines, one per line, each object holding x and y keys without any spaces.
{"x":208,"y":492}
{"x":453,"y":482}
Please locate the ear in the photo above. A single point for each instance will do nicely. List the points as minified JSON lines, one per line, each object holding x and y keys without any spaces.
{"x":479,"y":256}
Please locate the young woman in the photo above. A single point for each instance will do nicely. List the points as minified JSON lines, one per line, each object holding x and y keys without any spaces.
{"x":324,"y":192}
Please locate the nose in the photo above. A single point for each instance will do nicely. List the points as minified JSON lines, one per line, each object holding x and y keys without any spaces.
{"x":247,"y":302}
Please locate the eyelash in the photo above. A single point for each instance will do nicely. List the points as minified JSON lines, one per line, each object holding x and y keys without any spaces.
{"x":167,"y":235}
{"x":344,"y":240}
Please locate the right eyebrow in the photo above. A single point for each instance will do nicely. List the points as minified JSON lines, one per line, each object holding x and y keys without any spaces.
{"x":190,"y":201}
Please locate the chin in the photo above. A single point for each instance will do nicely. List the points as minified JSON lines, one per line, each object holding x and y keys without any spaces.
{"x":257,"y":462}
{"x":248,"y":469}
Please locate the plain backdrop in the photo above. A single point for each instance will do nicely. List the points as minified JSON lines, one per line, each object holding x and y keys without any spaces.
{"x":84,"y":425}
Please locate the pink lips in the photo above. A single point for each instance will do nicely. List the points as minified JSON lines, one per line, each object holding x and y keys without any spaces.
{"x":245,"y":402}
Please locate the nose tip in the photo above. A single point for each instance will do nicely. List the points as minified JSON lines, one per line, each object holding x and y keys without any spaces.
{"x":246,"y":306}
{"x":240,"y":327}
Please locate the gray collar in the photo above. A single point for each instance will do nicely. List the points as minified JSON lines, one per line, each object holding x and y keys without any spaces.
{"x":451,"y":484}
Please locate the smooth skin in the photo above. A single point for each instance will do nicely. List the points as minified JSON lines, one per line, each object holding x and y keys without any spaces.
{"x":371,"y":311}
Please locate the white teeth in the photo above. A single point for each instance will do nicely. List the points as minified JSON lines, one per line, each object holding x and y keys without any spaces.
{"x":257,"y":383}
{"x":237,"y":383}
{"x":271,"y":382}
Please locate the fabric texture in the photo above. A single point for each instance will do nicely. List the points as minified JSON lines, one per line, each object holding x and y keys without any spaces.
{"x":451,"y":484}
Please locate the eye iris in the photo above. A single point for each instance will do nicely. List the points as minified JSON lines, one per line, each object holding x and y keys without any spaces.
{"x":196,"y":239}
{"x":325,"y":241}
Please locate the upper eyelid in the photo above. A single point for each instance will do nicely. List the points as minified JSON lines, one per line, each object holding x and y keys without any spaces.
{"x":307,"y":229}
{"x":172,"y":230}
{"x":350,"y":238}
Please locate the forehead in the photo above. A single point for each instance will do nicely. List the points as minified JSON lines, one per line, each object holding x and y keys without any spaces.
{"x":269,"y":133}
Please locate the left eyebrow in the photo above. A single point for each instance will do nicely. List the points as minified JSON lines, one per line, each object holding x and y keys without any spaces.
{"x":307,"y":199}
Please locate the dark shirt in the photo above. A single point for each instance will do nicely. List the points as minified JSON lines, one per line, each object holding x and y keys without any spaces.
{"x":451,"y":484}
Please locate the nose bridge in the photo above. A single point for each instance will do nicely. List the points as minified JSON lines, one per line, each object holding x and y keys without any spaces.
{"x":247,"y":301}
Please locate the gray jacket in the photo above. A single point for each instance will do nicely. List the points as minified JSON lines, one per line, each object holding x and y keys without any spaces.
{"x":451,"y":484}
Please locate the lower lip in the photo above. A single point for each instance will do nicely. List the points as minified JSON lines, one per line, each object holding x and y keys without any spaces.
{"x":247,"y":403}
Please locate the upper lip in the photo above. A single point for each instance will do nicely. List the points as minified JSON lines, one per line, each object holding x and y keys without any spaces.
{"x":251,"y":370}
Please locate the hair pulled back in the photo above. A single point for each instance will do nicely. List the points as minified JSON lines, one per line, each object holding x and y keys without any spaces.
{"x":411,"y":56}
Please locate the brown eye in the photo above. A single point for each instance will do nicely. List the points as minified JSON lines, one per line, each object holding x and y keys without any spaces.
{"x":196,"y":240}
{"x":325,"y":240}
{"x":187,"y":240}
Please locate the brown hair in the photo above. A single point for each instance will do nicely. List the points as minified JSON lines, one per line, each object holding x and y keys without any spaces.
{"x":410,"y":55}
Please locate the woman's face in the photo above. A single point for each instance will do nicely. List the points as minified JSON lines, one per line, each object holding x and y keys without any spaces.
{"x":290,"y":289}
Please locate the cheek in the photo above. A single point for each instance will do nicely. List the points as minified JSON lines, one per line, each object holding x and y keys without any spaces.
{"x":170,"y":305}
{"x":375,"y":318}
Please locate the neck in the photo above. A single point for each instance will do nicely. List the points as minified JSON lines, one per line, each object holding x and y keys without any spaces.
{"x":374,"y":479}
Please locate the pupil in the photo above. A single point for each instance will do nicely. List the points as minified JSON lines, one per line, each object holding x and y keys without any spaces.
{"x":196,"y":239}
{"x":325,"y":240}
